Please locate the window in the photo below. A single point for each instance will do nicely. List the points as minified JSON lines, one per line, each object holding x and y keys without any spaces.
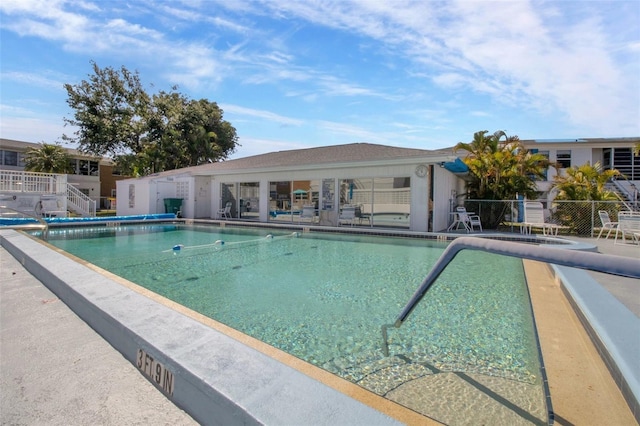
{"x":10,"y":158}
{"x":88,"y":168}
{"x":563,"y":158}
{"x":546,"y":155}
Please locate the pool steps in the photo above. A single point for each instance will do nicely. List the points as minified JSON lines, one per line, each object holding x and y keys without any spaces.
{"x":591,"y":302}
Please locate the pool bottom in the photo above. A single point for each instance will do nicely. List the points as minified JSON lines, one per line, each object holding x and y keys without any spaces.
{"x":409,"y":392}
{"x":582,"y":389}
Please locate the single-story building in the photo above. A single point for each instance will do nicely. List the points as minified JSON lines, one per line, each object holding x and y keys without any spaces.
{"x":388,"y":186}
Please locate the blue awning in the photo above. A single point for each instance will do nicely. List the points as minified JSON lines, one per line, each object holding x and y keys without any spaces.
{"x":456,"y":166}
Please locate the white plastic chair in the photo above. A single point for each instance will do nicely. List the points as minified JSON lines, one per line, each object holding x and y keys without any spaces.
{"x":470,"y":221}
{"x":534,"y":218}
{"x":606,"y":223}
{"x":308,"y":212}
{"x":226,"y":211}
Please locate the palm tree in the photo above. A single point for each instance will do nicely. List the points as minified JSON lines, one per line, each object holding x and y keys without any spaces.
{"x":583,"y":183}
{"x":47,"y":158}
{"x":500,"y":168}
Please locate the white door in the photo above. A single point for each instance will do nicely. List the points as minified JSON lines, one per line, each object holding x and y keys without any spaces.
{"x":202,"y":198}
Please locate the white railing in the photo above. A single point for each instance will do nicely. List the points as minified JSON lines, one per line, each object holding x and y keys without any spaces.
{"x":43,"y":183}
{"x":79,"y":202}
{"x":12,"y":181}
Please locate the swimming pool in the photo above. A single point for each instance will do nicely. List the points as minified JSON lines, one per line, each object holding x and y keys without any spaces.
{"x":323,"y":298}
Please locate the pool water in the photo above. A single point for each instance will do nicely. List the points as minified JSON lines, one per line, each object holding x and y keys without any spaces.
{"x":323,"y":298}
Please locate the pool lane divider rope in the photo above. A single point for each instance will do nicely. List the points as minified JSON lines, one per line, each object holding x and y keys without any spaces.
{"x":221,"y":243}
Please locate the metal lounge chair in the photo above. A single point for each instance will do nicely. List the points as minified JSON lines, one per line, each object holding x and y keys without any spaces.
{"x":629,"y":227}
{"x":606,"y":223}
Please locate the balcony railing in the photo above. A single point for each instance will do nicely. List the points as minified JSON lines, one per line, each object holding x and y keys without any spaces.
{"x":12,"y":181}
{"x":42,"y":183}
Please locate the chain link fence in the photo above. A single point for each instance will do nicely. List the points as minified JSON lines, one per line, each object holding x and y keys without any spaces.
{"x":579,"y":218}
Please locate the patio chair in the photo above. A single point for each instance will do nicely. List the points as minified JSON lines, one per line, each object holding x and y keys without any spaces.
{"x":226,"y":211}
{"x":348,"y":214}
{"x":629,"y":227}
{"x":468,"y":219}
{"x":308,"y":213}
{"x":362,"y":216}
{"x":606,"y":223}
{"x":534,"y":218}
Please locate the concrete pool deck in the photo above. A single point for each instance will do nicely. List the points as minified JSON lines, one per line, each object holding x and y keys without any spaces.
{"x":47,"y":351}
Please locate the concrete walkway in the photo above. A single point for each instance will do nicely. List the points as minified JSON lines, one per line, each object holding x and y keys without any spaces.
{"x":55,"y":370}
{"x":626,"y":290}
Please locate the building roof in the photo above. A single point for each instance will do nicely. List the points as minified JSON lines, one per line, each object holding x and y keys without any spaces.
{"x":354,"y":152}
{"x":325,"y":155}
{"x":598,"y":141}
{"x":24,"y":146}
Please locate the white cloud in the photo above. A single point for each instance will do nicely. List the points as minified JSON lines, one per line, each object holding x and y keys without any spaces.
{"x":32,"y":79}
{"x":32,"y":129}
{"x":263,"y":115}
{"x":521,"y":53}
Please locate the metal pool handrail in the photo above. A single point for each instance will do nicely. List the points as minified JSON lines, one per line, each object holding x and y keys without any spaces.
{"x":622,"y":266}
{"x":616,"y":265}
{"x":45,"y":225}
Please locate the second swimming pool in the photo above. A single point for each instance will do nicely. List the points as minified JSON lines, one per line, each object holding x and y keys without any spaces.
{"x":323,"y":298}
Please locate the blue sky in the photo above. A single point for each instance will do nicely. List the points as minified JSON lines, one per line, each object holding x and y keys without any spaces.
{"x":297,"y":74}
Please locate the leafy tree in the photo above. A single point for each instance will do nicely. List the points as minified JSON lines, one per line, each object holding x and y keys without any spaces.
{"x":111,"y":109}
{"x":583,"y":183}
{"x":146,"y":134}
{"x":500,"y":168}
{"x":48,"y":158}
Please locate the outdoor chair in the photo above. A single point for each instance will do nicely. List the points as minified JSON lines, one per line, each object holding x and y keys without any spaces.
{"x":468,"y":219}
{"x":628,"y":227}
{"x":308,"y":213}
{"x":534,"y":218}
{"x":348,"y":215}
{"x":226,"y":211}
{"x":362,"y":216}
{"x":607,"y":224}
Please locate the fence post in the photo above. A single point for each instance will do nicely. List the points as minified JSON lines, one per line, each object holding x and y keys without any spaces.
{"x":593,"y":218}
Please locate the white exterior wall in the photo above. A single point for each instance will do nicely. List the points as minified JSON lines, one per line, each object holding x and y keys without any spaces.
{"x":419,"y":186}
{"x":133,"y":197}
{"x":202,"y":201}
{"x":445,"y":184}
{"x":201,"y":194}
